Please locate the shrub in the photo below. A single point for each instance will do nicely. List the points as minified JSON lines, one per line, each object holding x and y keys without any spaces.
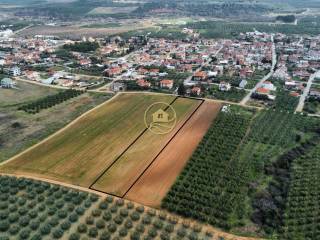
{"x":36,"y":236}
{"x":24,"y":234}
{"x":82,"y":228}
{"x":54,"y":221}
{"x":128,"y":224}
{"x":181,"y":232}
{"x":65,"y":225}
{"x":89,"y":220}
{"x":103,"y":205}
{"x":169,"y":228}
{"x":34,"y":224}
{"x":45,"y":229}
{"x":14,"y":229}
{"x":124,"y":212}
{"x":74,"y":236}
{"x":123,"y":232}
{"x":146,"y":219}
{"x":62,"y":214}
{"x":158,"y":224}
{"x":93,"y":232}
{"x":73,"y":217}
{"x":130,"y":205}
{"x":152,"y":232}
{"x":13,"y":217}
{"x":107,"y":216}
{"x":112,"y":227}
{"x":93,"y":198}
{"x":80,"y":211}
{"x":105,"y":236}
{"x":96,"y":213}
{"x":140,"y":228}
{"x":118,"y":220}
{"x":4,"y":225}
{"x":57,"y":233}
{"x":109,"y":199}
{"x":100,"y":224}
{"x":135,"y":216}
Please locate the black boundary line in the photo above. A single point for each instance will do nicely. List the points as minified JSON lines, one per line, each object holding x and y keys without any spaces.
{"x":124,"y":151}
{"x":155,"y":158}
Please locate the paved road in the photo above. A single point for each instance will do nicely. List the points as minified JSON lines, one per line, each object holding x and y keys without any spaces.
{"x":306,"y":92}
{"x":274,"y":63}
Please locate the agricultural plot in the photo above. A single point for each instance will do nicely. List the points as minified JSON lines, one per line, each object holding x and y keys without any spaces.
{"x":38,"y":210}
{"x":119,"y":178}
{"x":212,"y":196}
{"x":24,"y":92}
{"x":20,"y":130}
{"x":32,"y":209}
{"x":228,"y":172}
{"x":82,"y":151}
{"x":301,"y":218}
{"x":50,"y":101}
{"x":152,"y":187}
{"x":111,"y":10}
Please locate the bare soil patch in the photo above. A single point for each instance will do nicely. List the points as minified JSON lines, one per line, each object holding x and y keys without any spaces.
{"x":152,"y":187}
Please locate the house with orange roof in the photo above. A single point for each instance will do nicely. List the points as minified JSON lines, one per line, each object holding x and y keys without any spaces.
{"x":200,"y":76}
{"x":143,"y":83}
{"x":263,"y":91}
{"x":166,"y":83}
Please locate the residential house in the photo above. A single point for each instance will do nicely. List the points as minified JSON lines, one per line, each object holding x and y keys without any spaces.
{"x":7,"y":83}
{"x":200,"y":76}
{"x":166,"y":83}
{"x":268,"y":85}
{"x":15,"y":71}
{"x":224,"y":86}
{"x":143,"y":83}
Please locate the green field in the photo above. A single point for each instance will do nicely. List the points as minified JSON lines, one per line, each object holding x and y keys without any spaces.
{"x":20,"y":130}
{"x":83,"y":150}
{"x":25,"y":92}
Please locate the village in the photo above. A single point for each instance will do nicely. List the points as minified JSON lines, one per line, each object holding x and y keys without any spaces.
{"x":255,"y":68}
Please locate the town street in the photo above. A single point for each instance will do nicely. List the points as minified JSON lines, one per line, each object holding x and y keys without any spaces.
{"x":274,"y":63}
{"x":306,"y":92}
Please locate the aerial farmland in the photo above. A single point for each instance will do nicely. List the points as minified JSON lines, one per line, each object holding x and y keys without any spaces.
{"x":109,"y":148}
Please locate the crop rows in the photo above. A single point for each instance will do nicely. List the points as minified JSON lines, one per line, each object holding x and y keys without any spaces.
{"x":35,"y":210}
{"x":50,"y":101}
{"x":117,"y":219}
{"x":302,"y":218}
{"x":209,"y":186}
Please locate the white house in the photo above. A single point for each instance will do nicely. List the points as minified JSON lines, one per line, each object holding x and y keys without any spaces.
{"x":15,"y":71}
{"x":224,"y":86}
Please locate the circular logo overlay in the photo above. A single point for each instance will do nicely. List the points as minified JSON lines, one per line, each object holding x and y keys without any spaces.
{"x":160,"y":118}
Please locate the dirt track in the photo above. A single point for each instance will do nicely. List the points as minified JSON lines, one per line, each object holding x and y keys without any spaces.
{"x":157,"y":180}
